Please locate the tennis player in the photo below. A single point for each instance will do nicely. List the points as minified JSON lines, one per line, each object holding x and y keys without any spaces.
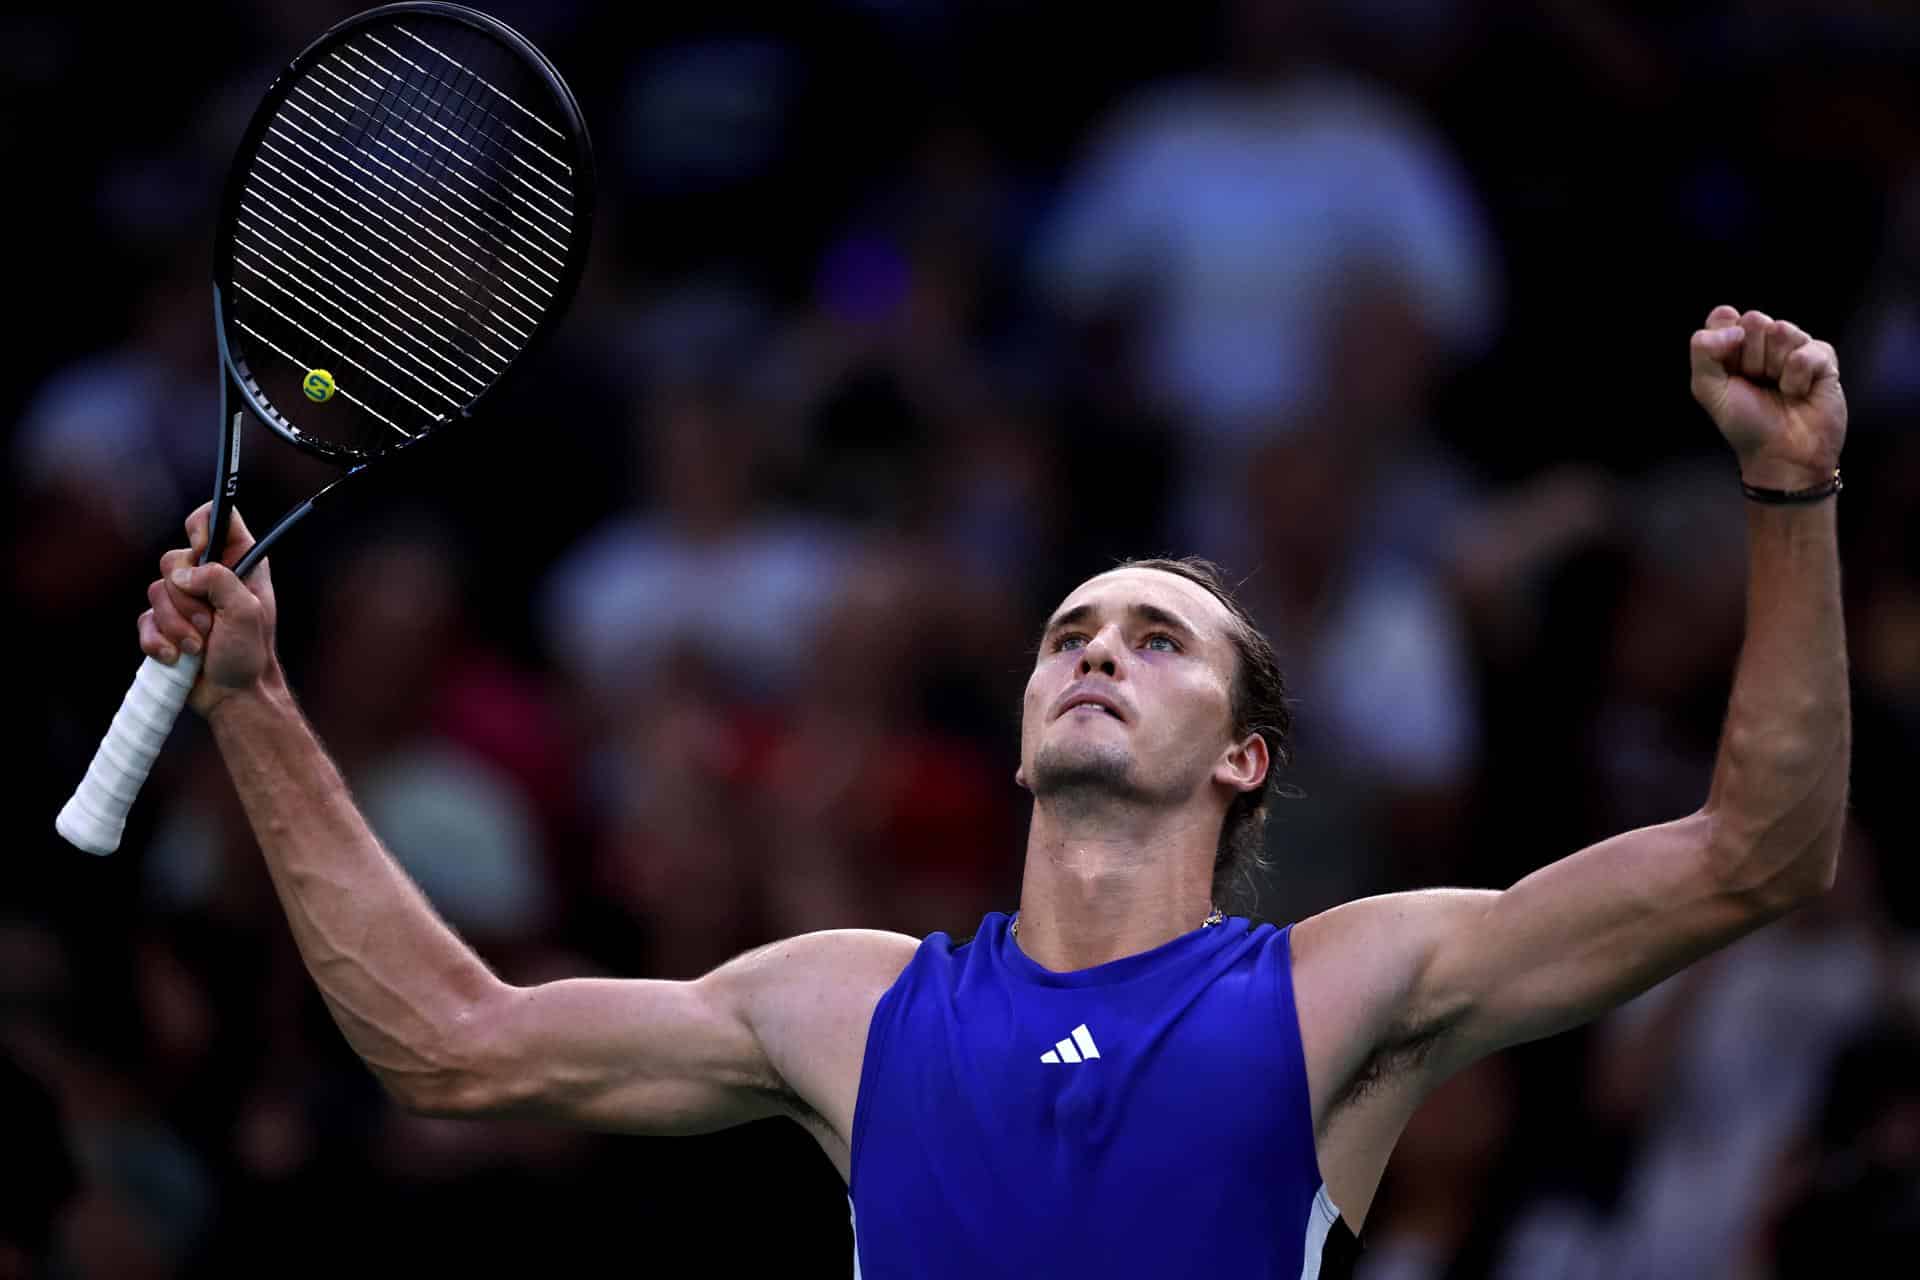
{"x":1115,"y":1081}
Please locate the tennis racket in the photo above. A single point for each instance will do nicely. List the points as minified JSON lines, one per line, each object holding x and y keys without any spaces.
{"x":406,"y":217}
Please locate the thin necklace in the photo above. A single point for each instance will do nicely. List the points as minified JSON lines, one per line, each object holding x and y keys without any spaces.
{"x":1208,"y":923}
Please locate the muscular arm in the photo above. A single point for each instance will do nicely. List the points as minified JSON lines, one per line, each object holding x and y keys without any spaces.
{"x":1580,"y":936}
{"x":1479,"y":970}
{"x":780,"y":1030}
{"x":403,"y":988}
{"x":1584,"y":934}
{"x":1427,"y":982}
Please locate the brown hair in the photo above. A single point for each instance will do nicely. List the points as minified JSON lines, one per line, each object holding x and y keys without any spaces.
{"x":1259,"y":706}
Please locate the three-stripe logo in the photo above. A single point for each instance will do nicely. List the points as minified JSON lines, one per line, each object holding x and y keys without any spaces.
{"x":1078,"y":1045}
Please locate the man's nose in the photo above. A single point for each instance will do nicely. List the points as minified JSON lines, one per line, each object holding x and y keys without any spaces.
{"x":1101,"y":653}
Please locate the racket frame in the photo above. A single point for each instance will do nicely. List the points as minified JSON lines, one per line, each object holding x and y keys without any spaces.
{"x":94,"y":816}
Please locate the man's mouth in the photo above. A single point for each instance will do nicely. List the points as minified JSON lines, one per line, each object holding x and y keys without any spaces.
{"x":1090,"y":704}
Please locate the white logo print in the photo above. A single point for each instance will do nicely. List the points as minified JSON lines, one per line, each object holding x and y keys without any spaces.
{"x":1065,"y":1050}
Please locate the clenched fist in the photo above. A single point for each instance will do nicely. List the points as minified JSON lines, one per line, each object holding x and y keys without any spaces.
{"x":1775,"y":394}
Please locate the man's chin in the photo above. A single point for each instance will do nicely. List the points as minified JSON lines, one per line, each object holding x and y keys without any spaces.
{"x":1082,"y":767}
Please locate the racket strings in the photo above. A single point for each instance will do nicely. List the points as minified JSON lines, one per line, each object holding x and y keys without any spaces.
{"x":508,"y":98}
{"x":269,"y":234}
{"x":472,"y":255}
{"x":534,"y":274}
{"x":537,"y":197}
{"x":412,"y":135}
{"x":356,"y":335}
{"x":399,"y":224}
{"x":428,"y":330}
{"x":428,"y":94}
{"x":457,"y":304}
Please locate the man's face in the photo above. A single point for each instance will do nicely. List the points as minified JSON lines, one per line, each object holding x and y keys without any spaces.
{"x":1131,"y":692}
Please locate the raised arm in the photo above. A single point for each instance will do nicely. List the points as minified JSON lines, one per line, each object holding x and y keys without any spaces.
{"x":1443,"y":977}
{"x":767,"y":1034}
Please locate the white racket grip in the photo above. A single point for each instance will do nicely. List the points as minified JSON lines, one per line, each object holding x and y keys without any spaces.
{"x":94,"y":818}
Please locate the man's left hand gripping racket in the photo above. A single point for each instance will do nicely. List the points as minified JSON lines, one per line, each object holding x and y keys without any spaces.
{"x":406,"y":217}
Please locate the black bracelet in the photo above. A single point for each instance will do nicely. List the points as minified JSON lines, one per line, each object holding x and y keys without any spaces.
{"x":1782,"y":497}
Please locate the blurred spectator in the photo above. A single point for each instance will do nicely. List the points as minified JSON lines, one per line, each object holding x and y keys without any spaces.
{"x":880,"y":813}
{"x":118,"y":445}
{"x":99,"y":1181}
{"x":674,"y":874}
{"x":1379,"y":561}
{"x":461,"y":767}
{"x":1850,"y":1190}
{"x":1373,"y":643}
{"x":841,"y":805}
{"x":1676,"y":630}
{"x":702,"y":556}
{"x":129,"y":432}
{"x":1228,"y":215}
{"x":1289,"y":178}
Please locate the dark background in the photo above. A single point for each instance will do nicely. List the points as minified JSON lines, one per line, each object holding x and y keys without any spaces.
{"x":902,"y":319}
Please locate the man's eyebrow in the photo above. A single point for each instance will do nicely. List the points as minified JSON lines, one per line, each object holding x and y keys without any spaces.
{"x":1160,"y":617}
{"x":1145,"y":612}
{"x":1067,"y":617}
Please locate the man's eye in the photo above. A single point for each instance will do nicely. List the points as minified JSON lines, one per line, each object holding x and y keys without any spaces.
{"x":1068,"y":640}
{"x":1164,"y":642}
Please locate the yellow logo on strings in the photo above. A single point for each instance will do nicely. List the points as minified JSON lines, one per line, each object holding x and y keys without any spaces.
{"x":319,"y":386}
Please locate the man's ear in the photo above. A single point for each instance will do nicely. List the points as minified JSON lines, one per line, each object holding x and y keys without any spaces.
{"x":1245,"y":764}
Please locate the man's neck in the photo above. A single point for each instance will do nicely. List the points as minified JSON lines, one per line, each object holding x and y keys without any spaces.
{"x":1102,"y":886}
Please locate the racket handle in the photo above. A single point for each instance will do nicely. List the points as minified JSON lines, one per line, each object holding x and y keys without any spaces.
{"x":94,"y":818}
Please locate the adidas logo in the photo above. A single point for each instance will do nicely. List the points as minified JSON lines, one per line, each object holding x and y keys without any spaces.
{"x":1078,"y":1045}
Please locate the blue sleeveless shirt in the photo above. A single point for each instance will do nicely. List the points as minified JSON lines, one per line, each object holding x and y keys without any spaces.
{"x":1143,"y":1118}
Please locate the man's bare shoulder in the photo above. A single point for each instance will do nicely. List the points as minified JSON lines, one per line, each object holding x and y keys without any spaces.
{"x":1356,"y":971}
{"x":813,"y":985}
{"x":834,"y":962}
{"x":809,"y":1000}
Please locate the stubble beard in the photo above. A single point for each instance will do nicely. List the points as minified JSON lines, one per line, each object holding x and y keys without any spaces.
{"x":1080,"y":779}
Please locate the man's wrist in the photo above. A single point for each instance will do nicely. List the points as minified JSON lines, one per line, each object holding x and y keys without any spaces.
{"x":1785,"y":475}
{"x":269,"y":693}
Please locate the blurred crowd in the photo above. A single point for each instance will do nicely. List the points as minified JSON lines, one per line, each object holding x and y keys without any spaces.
{"x":903,"y":317}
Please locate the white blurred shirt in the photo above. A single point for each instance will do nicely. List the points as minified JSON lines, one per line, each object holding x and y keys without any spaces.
{"x":1237,"y":210}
